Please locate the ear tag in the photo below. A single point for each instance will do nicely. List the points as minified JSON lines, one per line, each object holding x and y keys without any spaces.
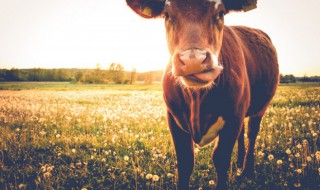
{"x":249,"y":7}
{"x":146,"y":11}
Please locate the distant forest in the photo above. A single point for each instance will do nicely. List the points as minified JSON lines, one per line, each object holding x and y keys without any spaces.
{"x":114,"y":74}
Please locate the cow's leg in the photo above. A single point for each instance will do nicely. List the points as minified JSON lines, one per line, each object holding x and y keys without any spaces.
{"x":184,"y":149}
{"x":241,"y":148}
{"x":222,"y":152}
{"x":253,"y":129}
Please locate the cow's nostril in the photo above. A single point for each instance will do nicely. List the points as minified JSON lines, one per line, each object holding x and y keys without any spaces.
{"x":207,"y":61}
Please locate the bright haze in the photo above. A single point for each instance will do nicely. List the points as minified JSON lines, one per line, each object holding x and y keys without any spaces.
{"x":82,"y":33}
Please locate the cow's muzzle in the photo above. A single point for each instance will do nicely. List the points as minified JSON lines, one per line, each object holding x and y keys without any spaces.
{"x":197,"y":67}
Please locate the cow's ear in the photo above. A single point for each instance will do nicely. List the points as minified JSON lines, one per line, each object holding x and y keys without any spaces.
{"x":147,"y":8}
{"x":240,"y":5}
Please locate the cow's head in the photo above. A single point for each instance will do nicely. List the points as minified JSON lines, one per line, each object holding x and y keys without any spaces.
{"x":194,"y":34}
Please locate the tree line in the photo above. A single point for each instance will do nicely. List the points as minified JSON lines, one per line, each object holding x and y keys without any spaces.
{"x":115,"y":73}
{"x":292,"y":79}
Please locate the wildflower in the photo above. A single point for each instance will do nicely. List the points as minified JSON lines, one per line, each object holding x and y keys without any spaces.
{"x":22,"y":186}
{"x":239,"y":171}
{"x":78,"y":164}
{"x":73,"y":150}
{"x":297,"y":184}
{"x":318,"y":155}
{"x":148,"y":176}
{"x":270,"y":157}
{"x":103,"y":160}
{"x":309,"y":159}
{"x":170,"y":175}
{"x":211,"y":182}
{"x":155,"y":178}
{"x":297,"y":155}
{"x":288,"y":151}
{"x":299,"y":171}
{"x":279,"y":162}
{"x":260,"y":153}
{"x":42,"y":133}
{"x":126,"y":158}
{"x":47,"y":175}
{"x":84,"y":188}
{"x":17,"y":130}
{"x":299,"y":146}
{"x":258,"y":137}
{"x":58,"y":135}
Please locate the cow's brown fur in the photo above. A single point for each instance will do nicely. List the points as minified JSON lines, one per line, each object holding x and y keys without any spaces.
{"x":244,"y":88}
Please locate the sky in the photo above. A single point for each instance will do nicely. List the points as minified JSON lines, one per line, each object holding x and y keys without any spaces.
{"x":83,"y":33}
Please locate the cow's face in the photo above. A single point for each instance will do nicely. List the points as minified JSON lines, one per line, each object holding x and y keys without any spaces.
{"x":194,"y":35}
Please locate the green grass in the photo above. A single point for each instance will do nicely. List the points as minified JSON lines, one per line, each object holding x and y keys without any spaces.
{"x":70,"y":136}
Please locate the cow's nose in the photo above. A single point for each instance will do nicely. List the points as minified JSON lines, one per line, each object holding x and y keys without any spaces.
{"x":191,"y":61}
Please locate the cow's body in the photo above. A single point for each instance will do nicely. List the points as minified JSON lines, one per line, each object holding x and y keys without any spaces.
{"x":245,"y":87}
{"x":202,"y":102}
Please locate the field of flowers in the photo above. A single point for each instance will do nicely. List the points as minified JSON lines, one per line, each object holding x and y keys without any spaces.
{"x":118,"y":139}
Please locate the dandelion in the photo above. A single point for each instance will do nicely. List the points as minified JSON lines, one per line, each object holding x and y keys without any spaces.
{"x":47,"y":175}
{"x":288,"y":151}
{"x":260,"y":153}
{"x":170,"y":175}
{"x":270,"y":157}
{"x":279,"y":162}
{"x":318,"y":155}
{"x":22,"y":186}
{"x":148,"y":176}
{"x":238,"y":172}
{"x":126,"y":158}
{"x":309,"y":159}
{"x":211,"y":182}
{"x":297,"y":184}
{"x":42,"y":133}
{"x":155,"y":178}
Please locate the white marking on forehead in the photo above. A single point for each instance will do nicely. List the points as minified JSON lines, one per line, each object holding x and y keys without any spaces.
{"x":218,"y":2}
{"x":168,"y":2}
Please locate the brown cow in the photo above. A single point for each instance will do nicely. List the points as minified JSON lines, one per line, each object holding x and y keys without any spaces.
{"x":217,"y":75}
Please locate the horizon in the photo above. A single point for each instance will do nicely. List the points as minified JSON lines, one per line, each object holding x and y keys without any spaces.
{"x":81,"y":34}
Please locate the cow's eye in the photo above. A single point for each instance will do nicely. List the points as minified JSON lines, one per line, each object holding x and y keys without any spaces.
{"x":166,"y":15}
{"x":221,"y":15}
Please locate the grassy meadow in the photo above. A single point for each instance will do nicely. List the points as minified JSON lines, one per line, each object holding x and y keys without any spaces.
{"x":69,"y":136}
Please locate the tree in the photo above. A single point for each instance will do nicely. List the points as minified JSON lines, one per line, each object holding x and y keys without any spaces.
{"x":133,"y":76}
{"x":149,"y":78}
{"x":287,"y":78}
{"x":79,"y":76}
{"x":116,"y":73}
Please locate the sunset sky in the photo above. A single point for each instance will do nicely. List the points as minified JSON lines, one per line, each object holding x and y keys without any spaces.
{"x":82,"y":33}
